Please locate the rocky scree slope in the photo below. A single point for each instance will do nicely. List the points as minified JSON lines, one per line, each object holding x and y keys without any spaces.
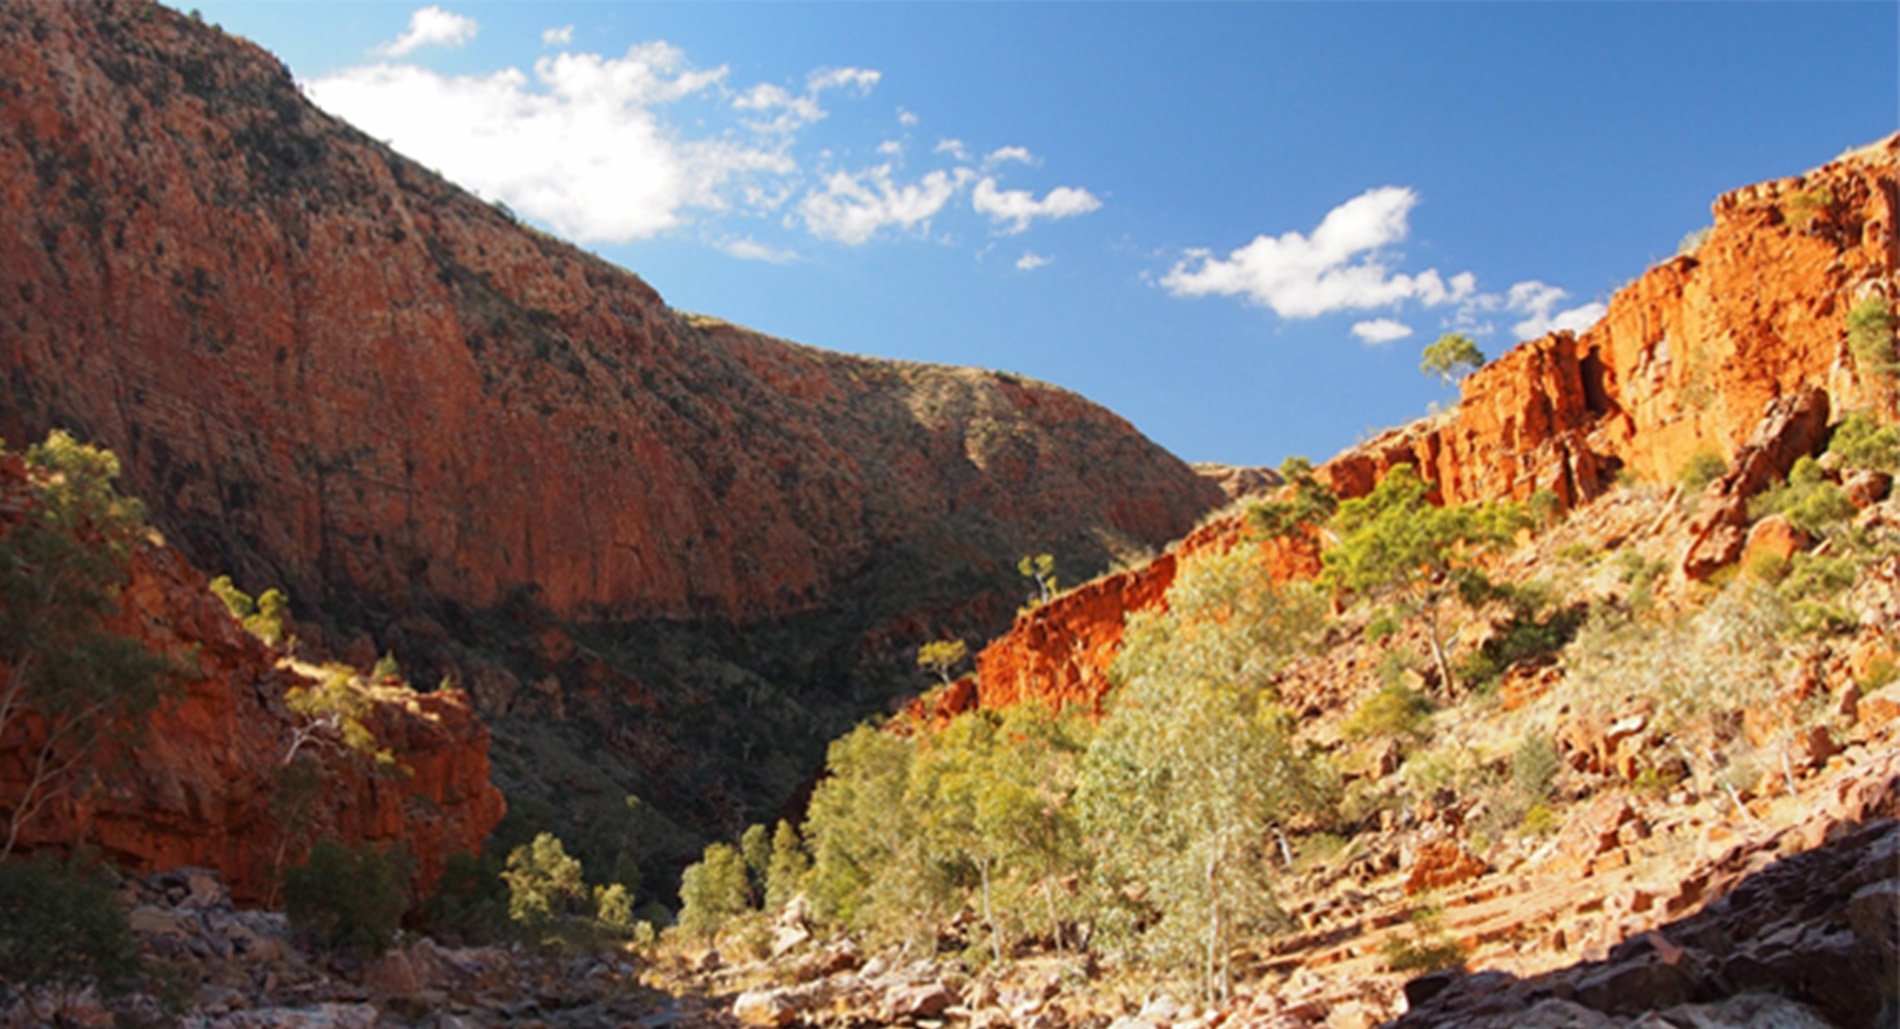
{"x":328,"y":370}
{"x":200,"y":782}
{"x":1687,"y":361}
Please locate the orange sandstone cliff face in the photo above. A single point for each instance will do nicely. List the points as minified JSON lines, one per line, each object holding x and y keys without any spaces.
{"x":1689,"y":358}
{"x":327,"y":369}
{"x":195,"y":784}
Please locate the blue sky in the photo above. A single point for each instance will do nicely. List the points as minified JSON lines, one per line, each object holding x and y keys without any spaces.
{"x":1235,"y":224}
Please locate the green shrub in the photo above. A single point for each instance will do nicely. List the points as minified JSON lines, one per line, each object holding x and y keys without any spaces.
{"x":1803,"y":206}
{"x":61,"y":931}
{"x":1862,"y":442}
{"x":1525,"y":637}
{"x":471,"y":902}
{"x":1545,"y":508}
{"x":1813,"y":587}
{"x":1870,"y":326}
{"x":1576,"y":553}
{"x":785,"y":870}
{"x":713,"y":891}
{"x":263,"y":617}
{"x":1534,"y":766}
{"x":1540,"y":820}
{"x":1878,"y":673}
{"x":348,"y":899}
{"x":1393,"y":712}
{"x":1809,"y":502}
{"x":1702,"y":468}
{"x":546,"y":890}
{"x":1641,"y":574}
{"x":386,"y":669}
{"x":1427,"y":949}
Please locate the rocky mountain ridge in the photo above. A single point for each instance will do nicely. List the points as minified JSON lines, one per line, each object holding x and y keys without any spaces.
{"x":1688,"y":360}
{"x":326,"y":368}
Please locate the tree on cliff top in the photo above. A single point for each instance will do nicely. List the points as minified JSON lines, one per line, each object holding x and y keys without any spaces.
{"x":940,"y":656}
{"x":61,"y":568}
{"x":1454,"y":356}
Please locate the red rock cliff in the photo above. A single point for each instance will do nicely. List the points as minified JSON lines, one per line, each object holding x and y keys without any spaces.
{"x":194,"y":785}
{"x":1688,"y":358}
{"x":326,"y":368}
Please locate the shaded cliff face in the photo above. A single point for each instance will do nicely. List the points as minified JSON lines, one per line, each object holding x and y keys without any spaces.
{"x":202,"y":781}
{"x":1689,"y":358}
{"x":328,"y":369}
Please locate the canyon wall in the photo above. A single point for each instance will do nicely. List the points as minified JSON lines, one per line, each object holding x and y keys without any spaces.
{"x":1688,"y":359}
{"x":326,"y":368}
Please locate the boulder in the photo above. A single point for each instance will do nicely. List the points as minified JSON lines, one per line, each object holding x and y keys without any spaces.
{"x":769,"y":1008}
{"x":1441,"y":863}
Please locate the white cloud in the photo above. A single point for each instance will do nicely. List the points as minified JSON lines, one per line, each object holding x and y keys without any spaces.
{"x":1030,"y":261}
{"x":796,"y":112}
{"x":430,"y":26}
{"x":1009,"y":153}
{"x":561,"y":36}
{"x":1538,"y":301}
{"x":1343,"y":265}
{"x":906,"y":118}
{"x":749,"y":249}
{"x":852,"y":208}
{"x":890,"y":148}
{"x":836,"y":78}
{"x":580,"y":147}
{"x":1380,"y":330}
{"x":1012,"y":210}
{"x":953,"y":147}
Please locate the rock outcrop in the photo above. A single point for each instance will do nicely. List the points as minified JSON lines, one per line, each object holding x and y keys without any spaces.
{"x":1059,"y":652}
{"x":199,"y":782}
{"x":326,"y":368}
{"x":1690,"y":358}
{"x":1687,"y":357}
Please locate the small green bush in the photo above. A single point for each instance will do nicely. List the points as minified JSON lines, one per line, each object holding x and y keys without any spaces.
{"x":1545,"y":508}
{"x":1534,"y":767}
{"x":1540,"y":820}
{"x":1428,"y":949}
{"x":1878,"y":673}
{"x":546,"y":889}
{"x":348,"y":899}
{"x":1861,"y":442}
{"x":713,"y":891}
{"x":1394,"y":711}
{"x":61,"y":931}
{"x":1702,"y":468}
{"x":1576,"y":553}
{"x":471,"y":902}
{"x":1813,"y":587}
{"x":1803,"y":206}
{"x":1809,"y":502}
{"x":263,"y":617}
{"x":1870,"y":325}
